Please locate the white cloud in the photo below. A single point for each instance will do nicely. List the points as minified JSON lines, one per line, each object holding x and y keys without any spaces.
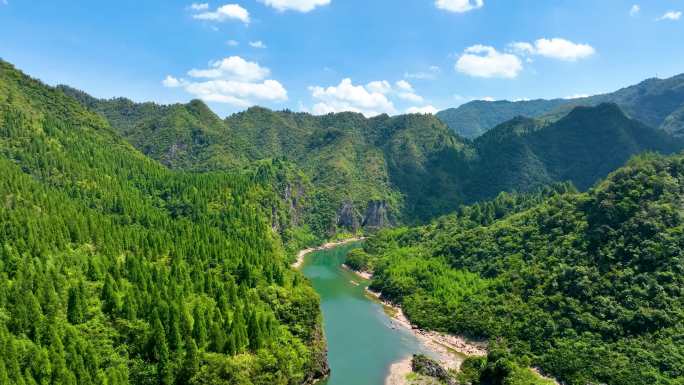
{"x":374,"y":98}
{"x":634,"y":11}
{"x":380,"y":86}
{"x":233,"y":43}
{"x":431,"y":74}
{"x":671,"y":15}
{"x":295,"y":5}
{"x":577,"y":96}
{"x":406,"y":92}
{"x":563,"y":49}
{"x":404,"y":86}
{"x":487,"y":99}
{"x":487,"y":62}
{"x":224,"y":13}
{"x":232,"y":80}
{"x":233,"y":67}
{"x":257,"y":44}
{"x":349,"y":97}
{"x":238,"y":93}
{"x":411,"y":97}
{"x":555,"y":48}
{"x":459,"y":6}
{"x":171,"y":82}
{"x":199,"y":6}
{"x":429,"y":109}
{"x":522,"y":47}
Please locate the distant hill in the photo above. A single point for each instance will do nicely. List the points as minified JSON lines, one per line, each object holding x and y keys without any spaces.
{"x":582,"y":147}
{"x":366,"y":172}
{"x":473,"y":119}
{"x":658,"y":103}
{"x":390,"y":170}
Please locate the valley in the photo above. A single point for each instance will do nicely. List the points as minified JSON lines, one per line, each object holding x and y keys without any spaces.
{"x":160,"y":244}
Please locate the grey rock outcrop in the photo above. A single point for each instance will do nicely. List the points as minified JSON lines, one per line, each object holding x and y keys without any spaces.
{"x":377,"y":215}
{"x":348,"y":217}
{"x":428,"y":367}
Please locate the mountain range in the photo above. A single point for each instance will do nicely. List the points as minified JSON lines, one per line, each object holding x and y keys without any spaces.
{"x":381,"y":171}
{"x":658,"y":103}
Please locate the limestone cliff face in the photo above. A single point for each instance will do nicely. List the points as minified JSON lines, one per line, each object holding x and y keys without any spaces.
{"x":377,"y":215}
{"x":348,"y":217}
{"x":293,"y":196}
{"x":288,"y":213}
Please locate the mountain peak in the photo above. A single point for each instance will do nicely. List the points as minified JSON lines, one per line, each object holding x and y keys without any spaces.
{"x":602,"y":110}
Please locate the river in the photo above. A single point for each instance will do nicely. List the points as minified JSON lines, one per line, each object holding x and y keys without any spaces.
{"x":362,"y":340}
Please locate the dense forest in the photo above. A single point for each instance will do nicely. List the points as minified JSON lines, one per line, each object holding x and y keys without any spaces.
{"x":585,"y":286}
{"x":383,"y":171}
{"x":150,"y":244}
{"x":115,"y":270}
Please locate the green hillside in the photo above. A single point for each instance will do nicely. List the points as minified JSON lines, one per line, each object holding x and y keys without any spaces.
{"x":371,"y":173}
{"x":583,"y":147}
{"x":376,"y":172}
{"x":115,"y":270}
{"x":658,"y":103}
{"x":585,"y":286}
{"x":473,"y":119}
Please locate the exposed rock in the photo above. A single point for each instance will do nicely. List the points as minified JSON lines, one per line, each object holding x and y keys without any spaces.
{"x":431,"y":368}
{"x":377,"y":215}
{"x":292,"y":196}
{"x":175,"y":152}
{"x":348,"y":217}
{"x":319,"y":364}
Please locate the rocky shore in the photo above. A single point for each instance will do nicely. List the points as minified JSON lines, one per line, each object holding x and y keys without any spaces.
{"x":450,"y":350}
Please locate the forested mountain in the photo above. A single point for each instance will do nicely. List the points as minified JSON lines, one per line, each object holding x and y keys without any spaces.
{"x":586,"y":286}
{"x":387,"y":170}
{"x":115,"y":270}
{"x":583,"y":147}
{"x":371,"y":172}
{"x":473,"y":119}
{"x":658,"y":103}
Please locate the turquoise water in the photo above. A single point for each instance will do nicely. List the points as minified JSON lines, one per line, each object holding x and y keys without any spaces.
{"x":362,"y":340}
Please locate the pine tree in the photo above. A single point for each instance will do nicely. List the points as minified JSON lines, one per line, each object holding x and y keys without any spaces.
{"x":199,"y":331}
{"x":76,"y":304}
{"x":164,"y":368}
{"x":109,"y":296}
{"x":191,"y":362}
{"x":4,"y":377}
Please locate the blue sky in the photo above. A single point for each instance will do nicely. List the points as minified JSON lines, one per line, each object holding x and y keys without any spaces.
{"x":370,"y":56}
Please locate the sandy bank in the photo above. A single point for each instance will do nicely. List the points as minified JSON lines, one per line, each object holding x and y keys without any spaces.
{"x":449,"y":350}
{"x":361,"y":274}
{"x":302,"y":253}
{"x":398,"y":372}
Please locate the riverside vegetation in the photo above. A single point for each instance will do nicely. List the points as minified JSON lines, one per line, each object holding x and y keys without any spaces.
{"x":586,"y":286}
